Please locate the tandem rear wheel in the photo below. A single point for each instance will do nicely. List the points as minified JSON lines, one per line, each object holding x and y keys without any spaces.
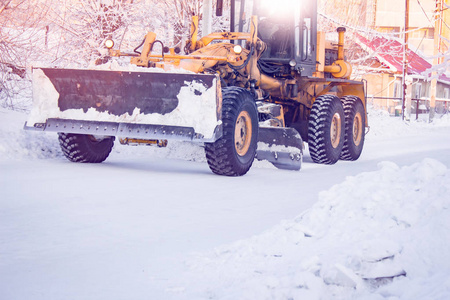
{"x":336,"y":129}
{"x":355,"y":120}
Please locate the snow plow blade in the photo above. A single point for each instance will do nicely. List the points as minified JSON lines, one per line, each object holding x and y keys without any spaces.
{"x":131,"y":104}
{"x":282,"y":146}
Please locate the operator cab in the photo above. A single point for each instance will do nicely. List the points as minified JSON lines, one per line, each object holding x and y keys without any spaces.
{"x":289,"y":29}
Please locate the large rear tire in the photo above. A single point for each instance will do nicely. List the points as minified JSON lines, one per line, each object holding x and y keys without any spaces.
{"x":355,"y":120}
{"x":234,"y":152}
{"x":326,"y":129}
{"x":85,"y":148}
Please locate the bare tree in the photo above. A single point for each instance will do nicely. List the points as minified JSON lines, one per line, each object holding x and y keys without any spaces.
{"x":20,"y":33}
{"x":177,"y":16}
{"x":80,"y":27}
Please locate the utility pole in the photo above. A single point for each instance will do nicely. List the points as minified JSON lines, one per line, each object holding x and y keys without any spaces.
{"x":406,"y":105}
{"x":437,"y":51}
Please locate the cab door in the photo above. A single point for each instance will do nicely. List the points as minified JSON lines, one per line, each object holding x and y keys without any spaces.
{"x":305,"y":36}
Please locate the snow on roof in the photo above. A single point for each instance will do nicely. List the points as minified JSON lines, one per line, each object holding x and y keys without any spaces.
{"x":390,"y":52}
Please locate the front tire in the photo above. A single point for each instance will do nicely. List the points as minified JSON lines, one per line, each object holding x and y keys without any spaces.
{"x":85,"y":148}
{"x":355,"y":120}
{"x":326,"y":129}
{"x":234,"y":152}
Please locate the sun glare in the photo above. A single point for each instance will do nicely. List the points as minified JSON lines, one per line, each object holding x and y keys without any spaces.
{"x":278,"y":7}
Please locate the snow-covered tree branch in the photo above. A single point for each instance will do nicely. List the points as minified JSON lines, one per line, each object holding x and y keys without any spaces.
{"x":21,"y":24}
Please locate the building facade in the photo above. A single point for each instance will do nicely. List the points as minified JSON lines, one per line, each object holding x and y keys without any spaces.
{"x":375,"y":41}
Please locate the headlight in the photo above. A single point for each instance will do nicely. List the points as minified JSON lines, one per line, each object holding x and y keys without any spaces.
{"x":109,"y":44}
{"x":237,"y":49}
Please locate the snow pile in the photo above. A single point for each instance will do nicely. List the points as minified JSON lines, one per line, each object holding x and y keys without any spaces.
{"x":378,"y":235}
{"x":16,"y":143}
{"x":382,"y":125}
{"x":442,"y":121}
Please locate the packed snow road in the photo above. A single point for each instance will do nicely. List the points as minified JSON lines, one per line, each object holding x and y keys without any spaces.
{"x":128,"y":228}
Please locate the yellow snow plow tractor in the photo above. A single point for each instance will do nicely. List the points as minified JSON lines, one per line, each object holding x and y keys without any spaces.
{"x":245,"y":94}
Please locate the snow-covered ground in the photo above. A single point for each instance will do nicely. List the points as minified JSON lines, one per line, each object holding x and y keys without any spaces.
{"x":154,"y":223}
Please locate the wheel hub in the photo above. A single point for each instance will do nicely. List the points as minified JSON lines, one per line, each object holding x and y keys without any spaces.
{"x":243,"y":133}
{"x":335,"y":130}
{"x":357,"y":129}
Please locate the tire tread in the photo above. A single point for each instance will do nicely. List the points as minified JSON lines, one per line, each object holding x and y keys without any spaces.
{"x":220,"y":154}
{"x":319,"y":118}
{"x":78,"y":148}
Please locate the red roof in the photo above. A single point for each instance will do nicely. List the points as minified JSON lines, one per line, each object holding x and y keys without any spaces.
{"x":390,"y":52}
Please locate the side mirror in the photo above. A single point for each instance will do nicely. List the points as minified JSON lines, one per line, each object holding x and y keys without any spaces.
{"x":219,"y":8}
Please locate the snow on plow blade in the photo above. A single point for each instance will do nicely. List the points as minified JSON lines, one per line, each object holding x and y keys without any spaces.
{"x":127,"y":103}
{"x":282,"y":146}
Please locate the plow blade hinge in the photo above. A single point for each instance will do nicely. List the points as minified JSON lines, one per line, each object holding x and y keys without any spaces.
{"x":281,"y":146}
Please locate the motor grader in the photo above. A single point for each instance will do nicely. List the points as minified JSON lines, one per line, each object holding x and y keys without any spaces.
{"x":257,"y":93}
